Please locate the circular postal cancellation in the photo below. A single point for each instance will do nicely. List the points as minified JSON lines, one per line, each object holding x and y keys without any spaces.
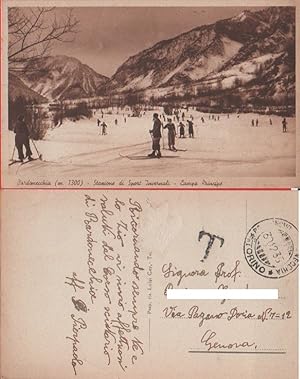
{"x":270,"y":248}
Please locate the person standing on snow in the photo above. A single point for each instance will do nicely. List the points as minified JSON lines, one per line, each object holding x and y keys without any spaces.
{"x":104,"y":127}
{"x":171,"y":134}
{"x":284,"y":124}
{"x":181,"y":130}
{"x":156,"y":136}
{"x":191,"y":128}
{"x":22,"y":138}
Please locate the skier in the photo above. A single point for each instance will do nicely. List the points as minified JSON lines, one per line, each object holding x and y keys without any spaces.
{"x":284,"y":123}
{"x":171,"y":134}
{"x":218,"y":118}
{"x":181,"y":130}
{"x":252,"y":123}
{"x":202,"y":119}
{"x":98,"y":122}
{"x":116,"y":122}
{"x":182,"y":116}
{"x":156,"y":136}
{"x":191,"y":128}
{"x":22,"y":138}
{"x":124,"y":120}
{"x":104,"y":127}
{"x":271,"y":122}
{"x":257,"y":122}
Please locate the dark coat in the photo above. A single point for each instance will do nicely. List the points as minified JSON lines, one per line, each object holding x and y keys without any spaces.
{"x":21,"y":129}
{"x":156,"y":131}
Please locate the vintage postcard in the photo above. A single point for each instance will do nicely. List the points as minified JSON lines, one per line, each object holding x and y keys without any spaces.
{"x":132,"y":94}
{"x":85,"y":277}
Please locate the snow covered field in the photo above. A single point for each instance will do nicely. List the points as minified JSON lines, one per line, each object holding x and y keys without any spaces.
{"x":228,"y":147}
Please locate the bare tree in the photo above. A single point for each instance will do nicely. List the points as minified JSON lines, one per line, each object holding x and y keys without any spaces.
{"x":32,"y":32}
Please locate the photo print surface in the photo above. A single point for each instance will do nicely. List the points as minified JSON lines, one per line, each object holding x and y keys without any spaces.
{"x":150,"y":96}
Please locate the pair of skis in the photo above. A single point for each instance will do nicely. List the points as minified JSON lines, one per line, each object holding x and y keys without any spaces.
{"x":141,"y":157}
{"x":175,"y":150}
{"x":14,"y":161}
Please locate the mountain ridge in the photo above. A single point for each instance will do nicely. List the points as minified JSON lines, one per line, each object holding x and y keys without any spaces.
{"x":17,"y":88}
{"x":59,"y":77}
{"x":253,"y":51}
{"x":203,"y":52}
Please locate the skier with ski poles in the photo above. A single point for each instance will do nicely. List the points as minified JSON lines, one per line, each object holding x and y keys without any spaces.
{"x":156,"y":136}
{"x":22,"y":138}
{"x":171,"y":134}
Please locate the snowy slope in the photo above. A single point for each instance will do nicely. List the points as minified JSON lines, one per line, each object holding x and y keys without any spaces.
{"x":62,"y":77}
{"x":16,"y":88}
{"x":228,"y":147}
{"x":244,"y":47}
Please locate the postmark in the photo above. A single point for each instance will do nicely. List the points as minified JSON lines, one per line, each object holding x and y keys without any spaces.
{"x":270,"y":248}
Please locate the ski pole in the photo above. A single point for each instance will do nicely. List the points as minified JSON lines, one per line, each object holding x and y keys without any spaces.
{"x":12,"y":157}
{"x":39,"y":155}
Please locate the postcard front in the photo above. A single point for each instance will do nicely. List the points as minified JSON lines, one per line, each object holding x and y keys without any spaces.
{"x":85,"y":278}
{"x":134,"y":95}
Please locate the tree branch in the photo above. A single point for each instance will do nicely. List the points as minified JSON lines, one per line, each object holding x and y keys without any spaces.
{"x":33,"y":31}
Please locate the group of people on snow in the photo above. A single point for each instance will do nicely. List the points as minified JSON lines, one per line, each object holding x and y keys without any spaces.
{"x":156,"y":131}
{"x":170,"y":126}
{"x":22,"y":134}
{"x":157,"y":135}
{"x":284,"y":123}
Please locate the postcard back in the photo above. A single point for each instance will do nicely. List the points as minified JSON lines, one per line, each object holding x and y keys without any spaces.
{"x":85,"y":276}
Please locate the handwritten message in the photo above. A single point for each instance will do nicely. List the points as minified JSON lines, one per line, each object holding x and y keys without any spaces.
{"x":112,"y":283}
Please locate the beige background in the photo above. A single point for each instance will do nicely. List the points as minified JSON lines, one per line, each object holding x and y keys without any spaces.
{"x":43,"y":241}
